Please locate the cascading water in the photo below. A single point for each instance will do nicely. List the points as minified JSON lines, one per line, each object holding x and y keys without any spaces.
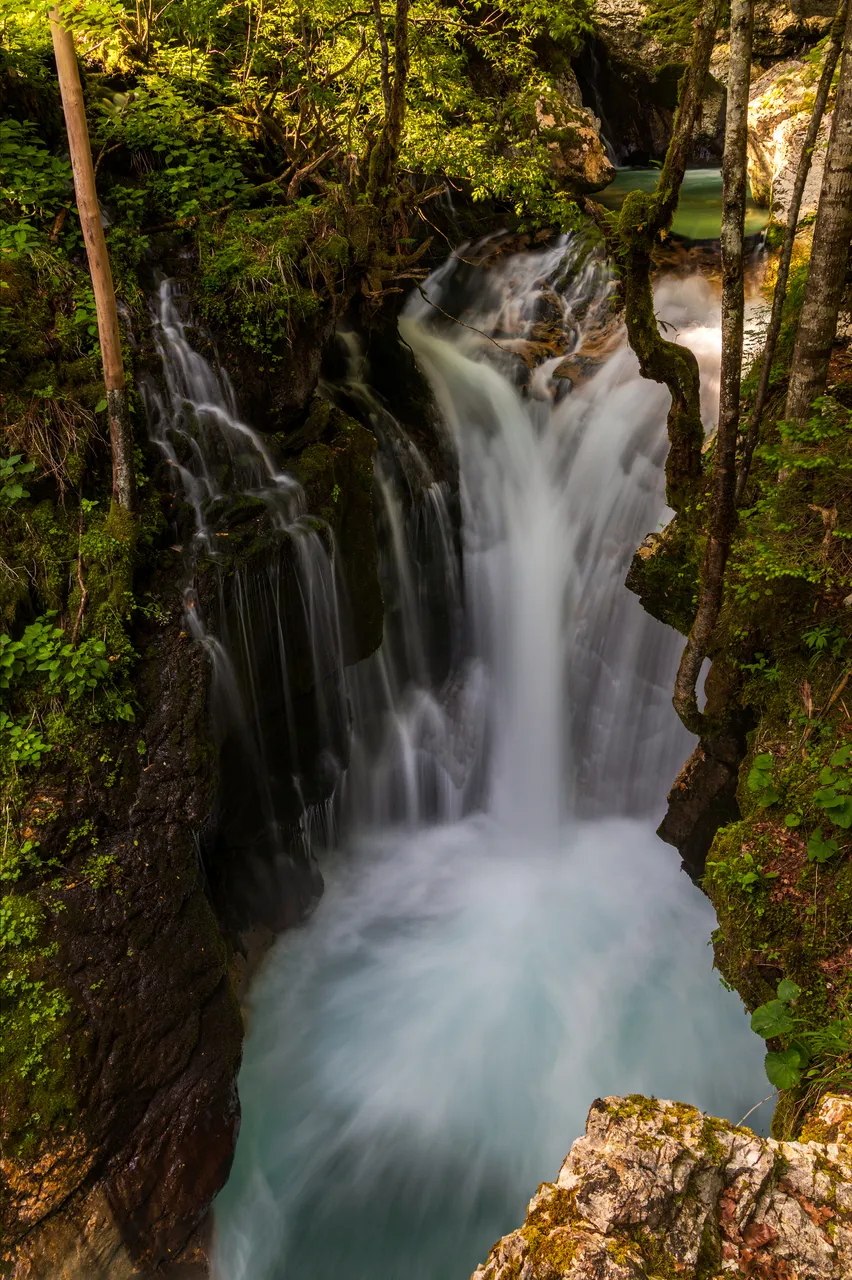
{"x":275,"y":639}
{"x":502,"y":936}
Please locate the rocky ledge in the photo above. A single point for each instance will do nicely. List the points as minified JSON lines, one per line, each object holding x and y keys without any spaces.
{"x":658,"y":1189}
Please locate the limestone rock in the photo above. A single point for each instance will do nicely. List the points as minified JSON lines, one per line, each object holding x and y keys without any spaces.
{"x":779,"y":112}
{"x":659,"y":1189}
{"x":571,"y":133}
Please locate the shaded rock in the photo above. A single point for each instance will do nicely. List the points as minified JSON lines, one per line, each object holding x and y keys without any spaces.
{"x":660,"y":1189}
{"x":663,"y":574}
{"x":703,"y":798}
{"x":121,"y":1181}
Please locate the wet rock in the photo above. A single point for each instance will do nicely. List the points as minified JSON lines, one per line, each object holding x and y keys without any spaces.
{"x":660,"y":1189}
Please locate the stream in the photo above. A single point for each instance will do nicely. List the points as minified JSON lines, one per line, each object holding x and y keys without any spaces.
{"x":502,"y":937}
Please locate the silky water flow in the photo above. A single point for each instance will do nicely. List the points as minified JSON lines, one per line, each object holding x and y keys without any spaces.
{"x":502,"y":937}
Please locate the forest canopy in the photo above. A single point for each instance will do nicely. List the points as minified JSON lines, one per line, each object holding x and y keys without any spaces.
{"x":207,"y":101}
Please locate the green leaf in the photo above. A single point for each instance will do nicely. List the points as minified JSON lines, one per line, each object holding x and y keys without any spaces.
{"x":820,"y":850}
{"x":788,"y":990}
{"x":784,"y":1070}
{"x":772,"y":1019}
{"x":793,"y":819}
{"x":100,"y":406}
{"x":841,"y":756}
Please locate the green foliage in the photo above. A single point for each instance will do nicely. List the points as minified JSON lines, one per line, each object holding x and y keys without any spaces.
{"x":671,"y":21}
{"x":32,"y":1011}
{"x":828,"y":1046}
{"x":825,"y":640}
{"x":746,"y":875}
{"x":34,"y":185}
{"x":100,"y":869}
{"x":43,"y":648}
{"x":265,"y":270}
{"x":760,"y":780}
{"x":11,"y":470}
{"x":822,"y":788}
{"x":20,"y":744}
{"x":784,"y":539}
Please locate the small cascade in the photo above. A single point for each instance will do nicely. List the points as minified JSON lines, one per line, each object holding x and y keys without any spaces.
{"x":271,"y":622}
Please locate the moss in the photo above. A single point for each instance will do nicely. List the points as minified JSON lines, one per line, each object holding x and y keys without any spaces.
{"x":708,"y":1263}
{"x":550,"y":1230}
{"x":664,"y":575}
{"x":656,"y":1260}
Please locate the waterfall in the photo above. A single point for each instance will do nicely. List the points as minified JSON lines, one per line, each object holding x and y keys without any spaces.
{"x":275,"y":636}
{"x":502,"y":937}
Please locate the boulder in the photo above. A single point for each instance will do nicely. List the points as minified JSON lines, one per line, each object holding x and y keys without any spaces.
{"x":572,"y":135}
{"x":660,"y":1189}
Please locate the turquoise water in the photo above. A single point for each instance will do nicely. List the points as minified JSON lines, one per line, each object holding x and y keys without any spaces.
{"x":699,"y":211}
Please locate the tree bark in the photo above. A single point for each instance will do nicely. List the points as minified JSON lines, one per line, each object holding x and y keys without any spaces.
{"x":832,"y":53}
{"x":385,"y":153}
{"x":123,"y":477}
{"x":722,"y":512}
{"x":829,"y":254}
{"x":643,"y":221}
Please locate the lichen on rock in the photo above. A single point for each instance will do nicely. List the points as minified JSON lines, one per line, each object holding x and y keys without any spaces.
{"x":658,"y":1189}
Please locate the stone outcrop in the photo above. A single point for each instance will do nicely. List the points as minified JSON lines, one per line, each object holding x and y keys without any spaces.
{"x":779,"y":112}
{"x":658,"y":1189}
{"x":571,"y":133}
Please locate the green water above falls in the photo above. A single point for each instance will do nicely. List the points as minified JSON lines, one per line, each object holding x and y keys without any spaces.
{"x":699,"y":211}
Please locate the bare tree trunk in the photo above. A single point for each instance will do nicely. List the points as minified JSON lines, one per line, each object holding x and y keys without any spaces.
{"x":123,"y":478}
{"x":643,"y":221}
{"x":832,"y":53}
{"x":722,"y":513}
{"x":829,"y":254}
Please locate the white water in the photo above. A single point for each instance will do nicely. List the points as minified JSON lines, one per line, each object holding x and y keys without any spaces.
{"x":423,"y":1051}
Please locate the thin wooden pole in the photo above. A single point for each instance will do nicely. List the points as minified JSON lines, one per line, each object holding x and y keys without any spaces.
{"x":123,"y":478}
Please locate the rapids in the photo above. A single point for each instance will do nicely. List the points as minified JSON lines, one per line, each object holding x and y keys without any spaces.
{"x":502,"y":937}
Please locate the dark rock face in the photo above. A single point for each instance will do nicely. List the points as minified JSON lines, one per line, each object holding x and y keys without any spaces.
{"x":274,"y":390}
{"x":155,"y":1031}
{"x":703,"y":798}
{"x":635,"y":99}
{"x":704,"y":795}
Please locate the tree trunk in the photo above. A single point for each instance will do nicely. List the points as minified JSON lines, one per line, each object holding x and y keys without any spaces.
{"x":829,"y":254}
{"x":384,"y":154}
{"x":722,"y":513}
{"x":123,"y":478}
{"x":832,"y":53}
{"x":643,"y":221}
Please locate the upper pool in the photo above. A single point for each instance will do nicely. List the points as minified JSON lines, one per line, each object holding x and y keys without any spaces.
{"x":699,"y":211}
